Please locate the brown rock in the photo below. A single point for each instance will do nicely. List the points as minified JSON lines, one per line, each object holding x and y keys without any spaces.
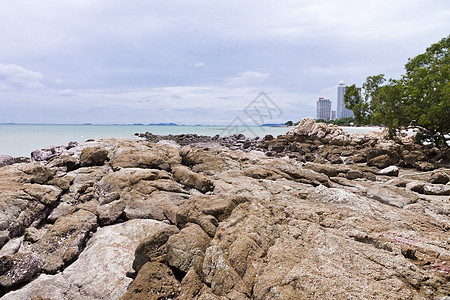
{"x":186,"y":249}
{"x":66,"y":162}
{"x":424,"y":166}
{"x":153,"y":249}
{"x":154,"y":281}
{"x":20,"y":268}
{"x":439,"y":178}
{"x":22,"y":202}
{"x":382,"y":161}
{"x":329,"y":170}
{"x":146,"y":156}
{"x":35,"y":173}
{"x":220,"y":275}
{"x":334,"y":159}
{"x":191,"y":179}
{"x":354,"y":174}
{"x":413,"y":157}
{"x":65,"y":239}
{"x":93,"y":156}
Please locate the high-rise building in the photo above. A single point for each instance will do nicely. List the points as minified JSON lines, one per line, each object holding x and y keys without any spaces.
{"x":323,"y":109}
{"x":342,"y":112}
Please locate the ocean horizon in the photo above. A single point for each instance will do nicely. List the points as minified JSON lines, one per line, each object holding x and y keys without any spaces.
{"x":21,"y":139}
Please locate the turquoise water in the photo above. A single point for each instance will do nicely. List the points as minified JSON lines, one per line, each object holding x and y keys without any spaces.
{"x":21,"y":140}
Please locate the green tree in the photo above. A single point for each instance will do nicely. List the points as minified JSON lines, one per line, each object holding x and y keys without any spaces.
{"x":289,"y":123}
{"x":420,"y":99}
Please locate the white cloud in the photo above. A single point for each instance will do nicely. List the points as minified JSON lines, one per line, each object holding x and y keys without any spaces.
{"x":14,"y":76}
{"x":66,"y":92}
{"x":175,"y":55}
{"x":248,"y":78}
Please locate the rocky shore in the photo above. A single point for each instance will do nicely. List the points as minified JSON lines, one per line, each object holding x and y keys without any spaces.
{"x":314,"y":214}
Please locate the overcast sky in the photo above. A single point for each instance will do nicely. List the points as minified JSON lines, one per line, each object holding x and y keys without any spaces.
{"x":198,"y":62}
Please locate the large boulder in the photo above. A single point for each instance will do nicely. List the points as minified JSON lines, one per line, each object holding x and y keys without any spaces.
{"x":24,"y":198}
{"x":191,"y":179}
{"x":154,"y":281}
{"x":186,"y":249}
{"x":154,"y":247}
{"x":329,"y":170}
{"x":389,"y":171}
{"x":64,"y":241}
{"x":100,"y":272}
{"x":93,"y":156}
{"x":382,"y":161}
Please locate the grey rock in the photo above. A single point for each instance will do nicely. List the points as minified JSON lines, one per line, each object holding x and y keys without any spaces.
{"x":389,"y":171}
{"x":6,"y":160}
{"x":436,"y":189}
{"x":100,"y":271}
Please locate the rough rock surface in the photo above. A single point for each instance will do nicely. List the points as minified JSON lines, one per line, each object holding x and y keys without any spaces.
{"x":132,"y":219}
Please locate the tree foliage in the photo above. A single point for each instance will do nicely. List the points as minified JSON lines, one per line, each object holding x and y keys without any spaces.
{"x":340,"y":122}
{"x":419,"y":99}
{"x":289,"y":123}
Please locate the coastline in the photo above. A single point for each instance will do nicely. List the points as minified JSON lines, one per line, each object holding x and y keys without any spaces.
{"x":151,"y":217}
{"x":22,"y":139}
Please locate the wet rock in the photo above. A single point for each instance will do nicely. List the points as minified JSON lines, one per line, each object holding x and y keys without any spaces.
{"x":268,"y":137}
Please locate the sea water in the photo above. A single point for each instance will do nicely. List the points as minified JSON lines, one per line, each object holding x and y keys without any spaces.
{"x":21,"y":139}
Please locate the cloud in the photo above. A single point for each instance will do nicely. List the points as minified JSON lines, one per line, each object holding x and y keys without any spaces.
{"x":248,"y":78}
{"x":66,"y":93}
{"x":129,"y":60}
{"x":14,"y":76}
